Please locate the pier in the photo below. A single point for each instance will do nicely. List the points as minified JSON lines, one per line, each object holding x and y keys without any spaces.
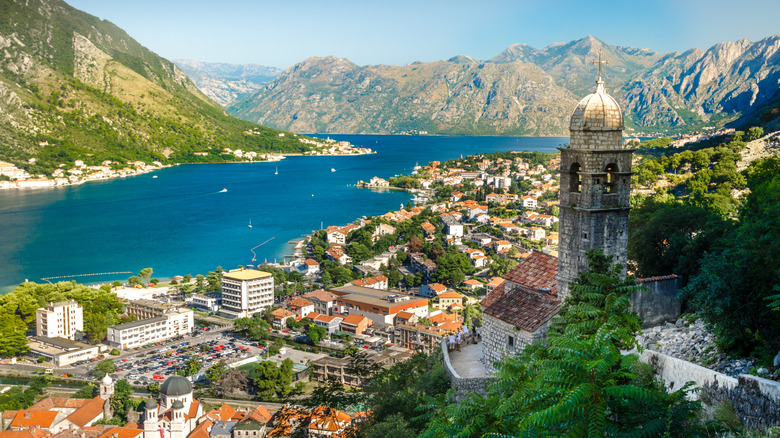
{"x":83,"y":275}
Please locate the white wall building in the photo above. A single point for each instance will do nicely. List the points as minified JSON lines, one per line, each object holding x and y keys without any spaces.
{"x":246,"y":292}
{"x":62,"y":319}
{"x":138,"y":333}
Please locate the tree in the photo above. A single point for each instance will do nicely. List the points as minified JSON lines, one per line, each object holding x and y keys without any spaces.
{"x":13,"y":336}
{"x":577,"y":383}
{"x":120,"y":401}
{"x":134,"y":281}
{"x":153,"y":388}
{"x":271,"y":380}
{"x":316,"y":333}
{"x":87,"y":391}
{"x":192,"y":366}
{"x":145,"y":274}
{"x":105,"y":366}
{"x":754,"y":133}
{"x":216,"y":372}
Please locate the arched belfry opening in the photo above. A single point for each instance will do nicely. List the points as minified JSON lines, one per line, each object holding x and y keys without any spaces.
{"x":610,"y":185}
{"x":575,"y":179}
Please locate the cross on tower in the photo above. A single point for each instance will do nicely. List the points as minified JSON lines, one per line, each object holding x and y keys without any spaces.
{"x":599,"y":62}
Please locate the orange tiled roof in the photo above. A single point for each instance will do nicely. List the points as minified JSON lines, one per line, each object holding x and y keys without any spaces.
{"x":26,"y":418}
{"x":450,"y":295}
{"x":50,"y":403}
{"x":259,"y":414}
{"x":121,"y":432}
{"x":524,"y":308}
{"x":27,"y":433}
{"x":536,"y":272}
{"x":354,"y":319}
{"x":89,"y":412}
{"x":441,"y":318}
{"x":301,"y":302}
{"x":201,"y":430}
{"x":404,"y":314}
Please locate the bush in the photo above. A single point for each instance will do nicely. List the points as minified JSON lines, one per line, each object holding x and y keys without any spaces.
{"x":114,"y":352}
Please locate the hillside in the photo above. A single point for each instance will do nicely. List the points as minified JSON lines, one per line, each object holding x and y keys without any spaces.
{"x":75,"y":87}
{"x":226,"y":83}
{"x":523,"y":90}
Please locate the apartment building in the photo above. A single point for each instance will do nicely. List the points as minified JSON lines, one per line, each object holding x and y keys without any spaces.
{"x":246,"y":292}
{"x":60,"y":320}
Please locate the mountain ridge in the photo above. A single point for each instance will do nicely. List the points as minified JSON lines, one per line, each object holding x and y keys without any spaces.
{"x":657,"y":91}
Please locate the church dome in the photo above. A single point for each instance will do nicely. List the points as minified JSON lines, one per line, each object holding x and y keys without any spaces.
{"x":107,"y":380}
{"x":176,"y":386}
{"x":597,"y":112}
{"x":177,"y":404}
{"x":151,"y":404}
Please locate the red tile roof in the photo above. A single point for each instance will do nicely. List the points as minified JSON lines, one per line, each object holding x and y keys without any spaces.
{"x":259,"y":414}
{"x":524,"y":308}
{"x":26,"y":418}
{"x":202,"y":430}
{"x":354,"y":319}
{"x":89,"y":412}
{"x":321,"y":295}
{"x":50,"y":403}
{"x":538,"y":271}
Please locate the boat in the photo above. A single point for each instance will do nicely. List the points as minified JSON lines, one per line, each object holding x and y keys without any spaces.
{"x":250,"y":223}
{"x":277,"y":171}
{"x":155,"y":176}
{"x":223,"y":191}
{"x":332,"y":169}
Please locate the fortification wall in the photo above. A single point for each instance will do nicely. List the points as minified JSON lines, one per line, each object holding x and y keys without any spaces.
{"x":463,"y":385}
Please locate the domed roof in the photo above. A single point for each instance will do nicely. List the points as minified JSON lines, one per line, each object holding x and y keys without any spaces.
{"x":107,"y":380}
{"x":176,"y":386}
{"x":177,"y":404}
{"x":597,"y":112}
{"x":151,"y":404}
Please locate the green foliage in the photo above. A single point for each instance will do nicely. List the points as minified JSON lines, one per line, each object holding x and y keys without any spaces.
{"x":667,"y":236}
{"x":19,"y":397}
{"x":316,"y":333}
{"x":192,"y":365}
{"x":254,"y":327}
{"x":271,"y":380}
{"x":105,"y":366}
{"x":216,"y":372}
{"x":153,"y":388}
{"x":736,"y":282}
{"x":88,"y":391}
{"x":577,"y":383}
{"x":121,"y":403}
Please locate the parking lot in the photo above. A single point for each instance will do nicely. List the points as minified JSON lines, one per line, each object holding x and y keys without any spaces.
{"x":163,"y":359}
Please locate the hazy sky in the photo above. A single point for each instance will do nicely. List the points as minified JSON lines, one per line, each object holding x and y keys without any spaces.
{"x":284,"y":32}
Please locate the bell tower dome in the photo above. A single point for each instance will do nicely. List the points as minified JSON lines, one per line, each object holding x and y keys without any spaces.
{"x":595,"y":185}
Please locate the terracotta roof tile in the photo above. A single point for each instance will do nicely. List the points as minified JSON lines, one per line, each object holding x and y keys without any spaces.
{"x":201,"y":430}
{"x":524,"y":308}
{"x":26,"y":418}
{"x":321,"y":295}
{"x":536,"y":272}
{"x":89,"y":412}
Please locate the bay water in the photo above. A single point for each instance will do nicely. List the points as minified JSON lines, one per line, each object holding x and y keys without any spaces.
{"x":179,"y":220}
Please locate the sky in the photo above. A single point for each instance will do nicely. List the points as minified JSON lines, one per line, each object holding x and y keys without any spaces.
{"x":284,"y":32}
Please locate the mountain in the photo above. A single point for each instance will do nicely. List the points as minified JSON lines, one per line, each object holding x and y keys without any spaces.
{"x":462,"y":95}
{"x":523,"y":90}
{"x":73,"y":86}
{"x":226,"y":83}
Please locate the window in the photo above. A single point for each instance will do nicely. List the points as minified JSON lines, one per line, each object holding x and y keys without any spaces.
{"x":575,"y":179}
{"x":511,"y":341}
{"x":611,"y":183}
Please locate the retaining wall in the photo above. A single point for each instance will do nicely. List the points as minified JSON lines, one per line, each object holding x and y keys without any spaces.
{"x":756,"y":400}
{"x":463,"y":385}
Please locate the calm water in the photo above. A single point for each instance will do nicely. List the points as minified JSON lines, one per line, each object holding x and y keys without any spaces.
{"x":180,"y":223}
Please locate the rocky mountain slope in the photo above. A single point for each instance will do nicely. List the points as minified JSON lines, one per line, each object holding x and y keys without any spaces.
{"x":75,"y":87}
{"x":226,"y":83}
{"x":522,"y":90}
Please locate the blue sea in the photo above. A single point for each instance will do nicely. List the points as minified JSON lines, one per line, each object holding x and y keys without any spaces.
{"x":180,"y":222}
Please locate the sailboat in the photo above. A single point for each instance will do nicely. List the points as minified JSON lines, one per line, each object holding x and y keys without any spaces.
{"x":250,"y":223}
{"x":277,"y":171}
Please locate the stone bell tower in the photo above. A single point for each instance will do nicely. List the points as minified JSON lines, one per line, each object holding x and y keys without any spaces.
{"x":595,"y":186}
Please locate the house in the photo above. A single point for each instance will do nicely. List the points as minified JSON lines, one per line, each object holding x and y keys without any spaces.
{"x":312,"y":266}
{"x":536,"y":233}
{"x":301,"y":307}
{"x":331,"y":323}
{"x":447,"y":299}
{"x":420,"y":337}
{"x":280,"y":317}
{"x":377,"y":282}
{"x":432,"y":290}
{"x":378,"y":182}
{"x":324,"y":301}
{"x":452,"y":226}
{"x":355,"y":324}
{"x":379,"y":306}
{"x":494,"y":283}
{"x":422,"y":265}
{"x":428,"y":228}
{"x":545,"y":219}
{"x":338,"y":255}
{"x":480,"y":239}
{"x":529,"y":202}
{"x":336,"y":235}
{"x":472,"y":284}
{"x":381,"y":230}
{"x":502,"y":245}
{"x":518,"y":311}
{"x":405,"y":318}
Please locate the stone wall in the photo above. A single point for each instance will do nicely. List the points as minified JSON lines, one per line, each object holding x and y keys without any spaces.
{"x":756,"y":400}
{"x":658,"y":304}
{"x":462,"y":385}
{"x":495,"y":338}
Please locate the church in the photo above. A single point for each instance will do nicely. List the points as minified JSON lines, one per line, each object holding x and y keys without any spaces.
{"x":177,"y":413}
{"x":595,"y":189}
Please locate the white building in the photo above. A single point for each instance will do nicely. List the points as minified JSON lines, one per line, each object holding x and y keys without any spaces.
{"x":138,"y":333}
{"x":246,"y":292}
{"x":205,"y":302}
{"x":62,"y":319}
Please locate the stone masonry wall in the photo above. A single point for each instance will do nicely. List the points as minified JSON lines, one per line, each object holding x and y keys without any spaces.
{"x":462,"y":385}
{"x":756,"y":400}
{"x":658,"y":304}
{"x":495,"y":338}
